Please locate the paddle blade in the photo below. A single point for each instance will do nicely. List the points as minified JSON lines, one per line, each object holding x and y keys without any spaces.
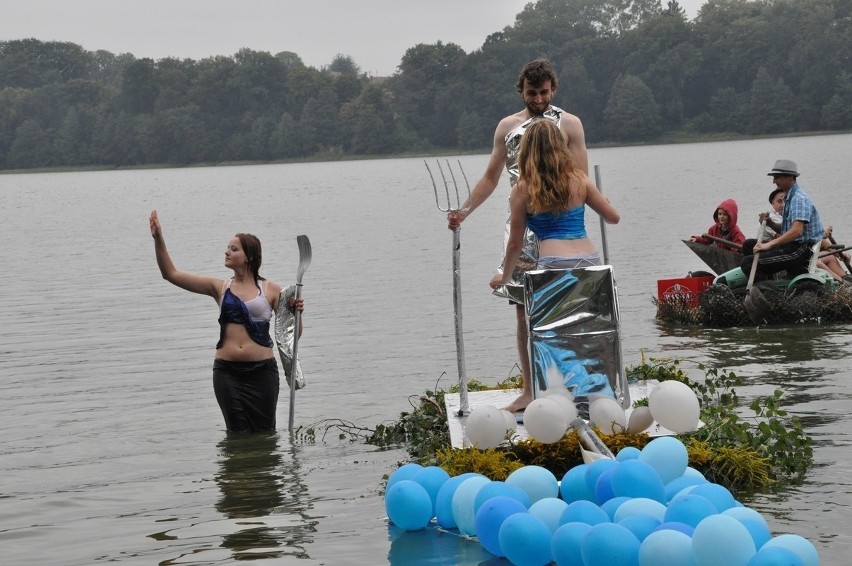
{"x":756,"y":305}
{"x":304,"y":256}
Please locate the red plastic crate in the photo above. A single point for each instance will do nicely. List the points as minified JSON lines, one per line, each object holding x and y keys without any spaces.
{"x":690,"y":288}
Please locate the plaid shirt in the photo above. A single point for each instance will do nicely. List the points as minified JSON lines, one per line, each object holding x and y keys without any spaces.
{"x":799,"y":206}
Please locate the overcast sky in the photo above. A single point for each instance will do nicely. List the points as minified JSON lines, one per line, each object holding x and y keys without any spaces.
{"x":375,"y":33}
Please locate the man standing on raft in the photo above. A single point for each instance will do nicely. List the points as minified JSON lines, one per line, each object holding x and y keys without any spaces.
{"x":537,"y":85}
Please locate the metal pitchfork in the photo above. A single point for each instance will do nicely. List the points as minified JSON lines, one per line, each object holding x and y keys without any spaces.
{"x":463,"y":409}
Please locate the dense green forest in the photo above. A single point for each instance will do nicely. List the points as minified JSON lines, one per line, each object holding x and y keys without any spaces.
{"x":633,"y":70}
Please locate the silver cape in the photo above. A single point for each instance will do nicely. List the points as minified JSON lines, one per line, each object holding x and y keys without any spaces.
{"x":285,"y":331}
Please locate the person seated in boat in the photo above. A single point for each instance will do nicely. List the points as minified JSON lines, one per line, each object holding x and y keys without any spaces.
{"x":724,"y":228}
{"x":776,"y":200}
{"x":831,"y":263}
{"x":550,"y":199}
{"x":799,"y":230}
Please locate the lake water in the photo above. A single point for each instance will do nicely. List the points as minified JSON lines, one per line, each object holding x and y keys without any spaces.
{"x":114,"y":450}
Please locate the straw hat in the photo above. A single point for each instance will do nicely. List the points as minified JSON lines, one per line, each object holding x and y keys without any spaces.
{"x":784,"y":167}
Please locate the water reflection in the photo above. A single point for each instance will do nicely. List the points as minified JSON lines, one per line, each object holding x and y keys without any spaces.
{"x":263,"y":493}
{"x":432,"y":547}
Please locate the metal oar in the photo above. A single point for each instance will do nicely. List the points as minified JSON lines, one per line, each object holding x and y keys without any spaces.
{"x":304,"y":261}
{"x":603,"y":222}
{"x":450,"y":207}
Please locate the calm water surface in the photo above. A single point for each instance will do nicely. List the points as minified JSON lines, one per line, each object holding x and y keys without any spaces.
{"x":114,"y":449}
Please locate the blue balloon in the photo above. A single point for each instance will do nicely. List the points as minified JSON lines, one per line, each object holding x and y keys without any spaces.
{"x":745,"y":513}
{"x":444,"y":500}
{"x":628,"y":453}
{"x":690,"y":509}
{"x":525,"y":540}
{"x":538,"y":482}
{"x":496,"y":488}
{"x":566,"y":543}
{"x":612,"y":506}
{"x":404,"y":472}
{"x":608,"y":544}
{"x":720,"y":539}
{"x":549,"y":510}
{"x":667,"y":455}
{"x":490,"y":517}
{"x":676,"y":485}
{"x":671,"y":548}
{"x":584,"y":512}
{"x":431,"y":478}
{"x":675,"y":526}
{"x":640,"y":506}
{"x":595,"y":470}
{"x":408,"y":505}
{"x":803,"y":548}
{"x":758,"y":530}
{"x":603,"y":487}
{"x":717,"y":494}
{"x":463,"y":500}
{"x":775,"y":556}
{"x":635,"y":478}
{"x":640,"y":525}
{"x":574,"y":487}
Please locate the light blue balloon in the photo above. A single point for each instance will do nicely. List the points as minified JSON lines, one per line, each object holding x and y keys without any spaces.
{"x":717,"y":494}
{"x":758,"y":530}
{"x":404,"y":472}
{"x":444,"y":500}
{"x":573,"y":486}
{"x":566,"y":544}
{"x":603,"y":487}
{"x":803,"y":548}
{"x":692,"y":472}
{"x":674,"y":487}
{"x":690,"y":509}
{"x":667,"y":455}
{"x":640,"y":506}
{"x":463,"y":500}
{"x":746,"y":513}
{"x":538,"y":482}
{"x":408,"y":505}
{"x":720,"y":539}
{"x":775,"y":556}
{"x":608,"y":544}
{"x":628,"y":453}
{"x":666,"y":547}
{"x":549,"y":510}
{"x":612,"y":506}
{"x":584,"y":512}
{"x":635,"y":478}
{"x":640,"y":525}
{"x":525,"y":540}
{"x":675,"y":526}
{"x":489,"y":519}
{"x":496,"y":488}
{"x":431,"y":478}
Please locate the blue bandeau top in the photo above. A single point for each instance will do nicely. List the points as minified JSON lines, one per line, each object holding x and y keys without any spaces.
{"x":568,"y":225}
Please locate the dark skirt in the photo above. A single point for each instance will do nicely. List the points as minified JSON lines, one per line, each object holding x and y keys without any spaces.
{"x":247,"y":393}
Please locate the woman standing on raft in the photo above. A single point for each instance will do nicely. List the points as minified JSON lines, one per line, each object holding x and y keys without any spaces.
{"x":550,"y":198}
{"x":245,"y":373}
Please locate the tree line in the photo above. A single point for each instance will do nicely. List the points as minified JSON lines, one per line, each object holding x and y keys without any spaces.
{"x":633,"y":70}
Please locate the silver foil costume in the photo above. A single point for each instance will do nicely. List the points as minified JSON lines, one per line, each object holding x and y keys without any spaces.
{"x":285,"y":331}
{"x":574,"y":328}
{"x":514,"y":290}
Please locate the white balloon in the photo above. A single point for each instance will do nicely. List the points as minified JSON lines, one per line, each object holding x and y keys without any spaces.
{"x":607,"y":415}
{"x":567,"y":404}
{"x":511,"y":422}
{"x":640,"y":419}
{"x":545,"y":420}
{"x":674,"y":405}
{"x":485,"y":427}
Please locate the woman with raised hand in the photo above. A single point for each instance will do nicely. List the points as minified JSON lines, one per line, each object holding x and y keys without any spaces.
{"x":550,"y":198}
{"x":245,"y":373}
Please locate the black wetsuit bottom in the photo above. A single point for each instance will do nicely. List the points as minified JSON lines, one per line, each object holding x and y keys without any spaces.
{"x":247,"y":393}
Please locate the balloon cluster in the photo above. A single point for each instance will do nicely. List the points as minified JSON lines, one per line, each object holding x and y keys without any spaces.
{"x":644,"y":508}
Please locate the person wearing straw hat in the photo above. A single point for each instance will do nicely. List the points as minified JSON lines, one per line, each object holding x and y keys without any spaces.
{"x":245,"y":373}
{"x":799,"y":230}
{"x":537,"y":84}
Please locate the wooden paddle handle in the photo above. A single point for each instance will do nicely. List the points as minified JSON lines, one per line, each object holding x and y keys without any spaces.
{"x":723,"y":241}
{"x":756,"y":257}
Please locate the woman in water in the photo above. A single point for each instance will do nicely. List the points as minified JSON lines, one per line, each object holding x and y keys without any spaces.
{"x":245,"y":373}
{"x":550,"y":198}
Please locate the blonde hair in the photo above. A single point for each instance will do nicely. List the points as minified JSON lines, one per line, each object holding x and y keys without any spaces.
{"x":546,"y":165}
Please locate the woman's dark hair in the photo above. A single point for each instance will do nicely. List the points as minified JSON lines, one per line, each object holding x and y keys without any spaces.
{"x":254,"y":254}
